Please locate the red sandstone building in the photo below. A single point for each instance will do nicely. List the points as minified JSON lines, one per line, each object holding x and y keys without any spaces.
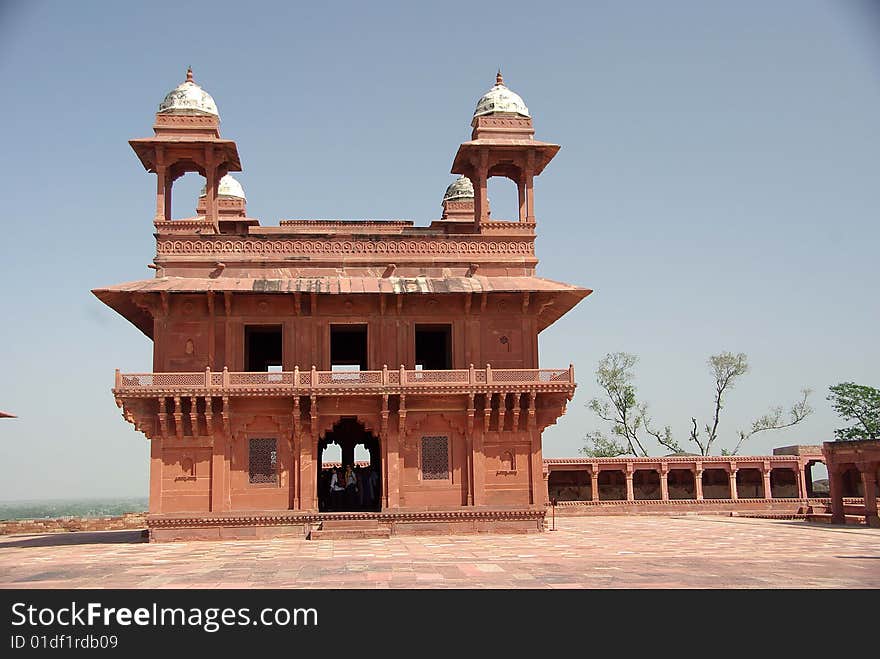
{"x":419,"y":344}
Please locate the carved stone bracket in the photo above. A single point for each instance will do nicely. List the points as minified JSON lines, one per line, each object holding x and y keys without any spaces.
{"x":401,"y":416}
{"x":487,"y":412}
{"x":194,"y":415}
{"x":163,"y":416}
{"x":313,"y":417}
{"x":225,"y":414}
{"x":178,"y":418}
{"x":209,"y":415}
{"x":385,"y":414}
{"x":295,"y":415}
{"x":533,"y":397}
{"x":502,"y":410}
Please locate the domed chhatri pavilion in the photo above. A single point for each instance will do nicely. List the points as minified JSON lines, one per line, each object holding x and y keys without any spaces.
{"x":418,"y":344}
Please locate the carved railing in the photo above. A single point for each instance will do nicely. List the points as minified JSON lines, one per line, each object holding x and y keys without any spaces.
{"x":316,"y":380}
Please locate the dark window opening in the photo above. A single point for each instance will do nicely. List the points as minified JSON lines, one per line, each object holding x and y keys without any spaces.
{"x":433,"y":347}
{"x":263,"y":461}
{"x":348,"y":347}
{"x":262,"y":350}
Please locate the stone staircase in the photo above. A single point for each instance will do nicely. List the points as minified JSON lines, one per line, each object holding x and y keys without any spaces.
{"x":349,"y":529}
{"x":852,"y":513}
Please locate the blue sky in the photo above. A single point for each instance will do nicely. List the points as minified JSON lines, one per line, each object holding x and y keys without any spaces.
{"x":717,"y":186}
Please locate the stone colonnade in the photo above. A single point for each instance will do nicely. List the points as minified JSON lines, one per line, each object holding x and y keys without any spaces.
{"x":761,"y":476}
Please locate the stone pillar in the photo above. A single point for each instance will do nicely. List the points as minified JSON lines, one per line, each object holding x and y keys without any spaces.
{"x":469,"y":445}
{"x":469,"y":455}
{"x":630,"y":495}
{"x":523,"y":208}
{"x":698,"y":480}
{"x":155,"y":476}
{"x":479,"y":460}
{"x":768,"y":490}
{"x":210,"y":186}
{"x":799,"y":479}
{"x":294,"y":470}
{"x":536,"y":467}
{"x":732,"y":474}
{"x":392,"y":462}
{"x":161,"y":192}
{"x":664,"y":482}
{"x":594,"y":484}
{"x":218,"y":474}
{"x":308,"y":472}
{"x":835,"y":485}
{"x":347,"y":453}
{"x":530,"y":186}
{"x":481,"y":193}
{"x":869,"y":484}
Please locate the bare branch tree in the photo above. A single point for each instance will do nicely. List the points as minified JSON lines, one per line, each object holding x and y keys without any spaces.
{"x":664,"y":437}
{"x":726,"y":368}
{"x":773,"y":419}
{"x":629,"y":418}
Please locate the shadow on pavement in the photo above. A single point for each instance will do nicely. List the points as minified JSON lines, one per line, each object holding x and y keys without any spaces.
{"x":75,"y":538}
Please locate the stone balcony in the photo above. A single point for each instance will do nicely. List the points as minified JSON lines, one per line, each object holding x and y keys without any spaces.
{"x":313,"y":382}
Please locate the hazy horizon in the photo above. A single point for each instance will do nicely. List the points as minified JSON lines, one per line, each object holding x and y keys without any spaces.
{"x":717,"y":187}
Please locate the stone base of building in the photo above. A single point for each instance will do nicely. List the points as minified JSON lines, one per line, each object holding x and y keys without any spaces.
{"x":261,"y":525}
{"x":763,"y":507}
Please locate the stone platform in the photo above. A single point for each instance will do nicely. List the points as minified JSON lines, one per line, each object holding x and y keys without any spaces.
{"x":585,"y":552}
{"x":273,"y":524}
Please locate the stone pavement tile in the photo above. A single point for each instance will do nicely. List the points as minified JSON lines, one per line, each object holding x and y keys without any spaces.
{"x":591,"y":552}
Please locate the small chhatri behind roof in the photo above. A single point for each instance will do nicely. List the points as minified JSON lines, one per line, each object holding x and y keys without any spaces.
{"x":500,"y":99}
{"x":461,"y":188}
{"x":188,"y":98}
{"x":228,"y":187}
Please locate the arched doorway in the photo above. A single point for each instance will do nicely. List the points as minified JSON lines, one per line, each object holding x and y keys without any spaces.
{"x":357,"y":465}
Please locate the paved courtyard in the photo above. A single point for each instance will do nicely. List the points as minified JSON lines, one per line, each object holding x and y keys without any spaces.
{"x":584,"y":552}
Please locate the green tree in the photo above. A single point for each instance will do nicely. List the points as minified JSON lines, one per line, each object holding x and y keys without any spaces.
{"x":860,"y":403}
{"x":615,"y":375}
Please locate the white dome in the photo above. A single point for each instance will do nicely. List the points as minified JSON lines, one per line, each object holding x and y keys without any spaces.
{"x":461,"y":188}
{"x":228,"y":187}
{"x":501,"y":99}
{"x":188,"y":98}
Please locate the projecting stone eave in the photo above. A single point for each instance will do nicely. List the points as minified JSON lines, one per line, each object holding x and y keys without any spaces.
{"x":469,"y":151}
{"x":145,"y":148}
{"x":133,"y":300}
{"x":125,"y":306}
